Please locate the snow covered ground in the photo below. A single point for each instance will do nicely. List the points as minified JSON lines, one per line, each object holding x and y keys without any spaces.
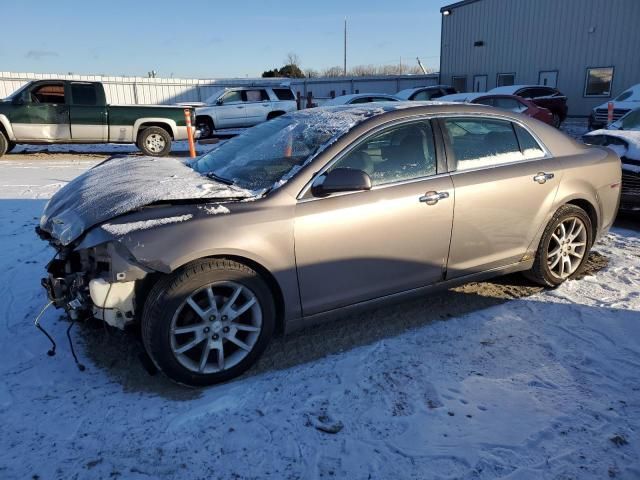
{"x":491,"y":380}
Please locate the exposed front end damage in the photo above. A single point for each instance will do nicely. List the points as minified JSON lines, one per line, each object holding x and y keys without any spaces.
{"x":99,"y":282}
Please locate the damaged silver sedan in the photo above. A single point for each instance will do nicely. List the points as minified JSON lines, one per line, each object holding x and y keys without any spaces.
{"x":317,"y":213}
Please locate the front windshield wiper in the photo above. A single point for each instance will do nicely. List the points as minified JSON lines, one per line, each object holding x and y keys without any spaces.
{"x":217,"y":178}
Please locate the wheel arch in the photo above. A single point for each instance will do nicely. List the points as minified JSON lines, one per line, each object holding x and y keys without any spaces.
{"x":274,"y":285}
{"x":588,"y":207}
{"x":166,"y":124}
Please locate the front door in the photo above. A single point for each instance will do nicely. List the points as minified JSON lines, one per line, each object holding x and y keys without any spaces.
{"x":358,"y":246}
{"x":548,"y":79}
{"x":88,"y":113}
{"x":44,"y":115}
{"x":231,"y":110}
{"x":505,"y":184}
{"x":480,"y":83}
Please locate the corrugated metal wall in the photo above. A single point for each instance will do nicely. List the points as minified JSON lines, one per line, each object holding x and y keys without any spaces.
{"x":526,"y":37}
{"x":140,"y":90}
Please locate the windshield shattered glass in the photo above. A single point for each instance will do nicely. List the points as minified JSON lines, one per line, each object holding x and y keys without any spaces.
{"x":264,"y":156}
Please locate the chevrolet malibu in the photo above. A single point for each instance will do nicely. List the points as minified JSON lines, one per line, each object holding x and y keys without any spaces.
{"x":317,"y":213}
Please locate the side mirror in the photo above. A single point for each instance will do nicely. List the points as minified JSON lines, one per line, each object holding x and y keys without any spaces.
{"x":219,"y":102}
{"x":341,"y":180}
{"x":18,"y":101}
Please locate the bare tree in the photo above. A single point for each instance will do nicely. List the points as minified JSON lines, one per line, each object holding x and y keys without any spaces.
{"x":292,"y":59}
{"x":311,"y":73}
{"x":333,"y":72}
{"x":363,"y":70}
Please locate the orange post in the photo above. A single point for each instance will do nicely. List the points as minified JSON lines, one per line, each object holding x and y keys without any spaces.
{"x":610,"y":113}
{"x":192,"y":147}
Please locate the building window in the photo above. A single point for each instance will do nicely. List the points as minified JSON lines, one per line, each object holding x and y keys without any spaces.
{"x":459,"y":83}
{"x":505,"y":79}
{"x":598,"y":82}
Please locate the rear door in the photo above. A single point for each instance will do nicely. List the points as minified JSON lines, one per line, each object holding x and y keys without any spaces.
{"x":88,"y":112}
{"x":257,"y":106}
{"x":505,"y":182}
{"x":44,"y":115}
{"x":231,"y":110}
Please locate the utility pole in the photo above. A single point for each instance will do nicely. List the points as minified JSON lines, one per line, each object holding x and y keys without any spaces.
{"x":344,"y":66}
{"x":400,"y":65}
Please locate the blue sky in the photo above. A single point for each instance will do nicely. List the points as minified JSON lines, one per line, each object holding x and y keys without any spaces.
{"x":213,"y":39}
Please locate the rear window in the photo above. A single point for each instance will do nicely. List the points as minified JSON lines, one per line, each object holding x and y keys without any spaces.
{"x":284,"y":94}
{"x":478,"y":143}
{"x":83,"y":94}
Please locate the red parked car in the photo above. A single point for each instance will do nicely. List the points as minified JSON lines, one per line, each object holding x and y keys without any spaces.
{"x":504,"y":102}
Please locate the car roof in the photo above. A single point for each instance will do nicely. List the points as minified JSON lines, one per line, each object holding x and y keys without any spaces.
{"x":462,"y":97}
{"x":343,"y":99}
{"x":511,"y":89}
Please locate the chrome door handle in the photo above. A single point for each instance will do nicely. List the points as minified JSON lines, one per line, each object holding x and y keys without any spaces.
{"x":542,"y":177}
{"x":240,"y":106}
{"x":431,"y":198}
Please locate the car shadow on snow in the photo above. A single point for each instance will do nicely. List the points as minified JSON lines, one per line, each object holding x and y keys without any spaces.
{"x":118,"y":353}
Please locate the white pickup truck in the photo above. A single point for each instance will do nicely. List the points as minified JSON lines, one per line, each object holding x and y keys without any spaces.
{"x":241,"y":107}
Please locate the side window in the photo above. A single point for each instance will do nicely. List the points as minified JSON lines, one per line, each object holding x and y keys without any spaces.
{"x":255,"y":95}
{"x":382,"y":99}
{"x":399,"y":153}
{"x":48,"y":93}
{"x":528,"y":145}
{"x":423,"y":95}
{"x":485,"y":101}
{"x":478,"y":143}
{"x":361,"y":100}
{"x":83,"y":94}
{"x":284,"y":94}
{"x":232,"y":96}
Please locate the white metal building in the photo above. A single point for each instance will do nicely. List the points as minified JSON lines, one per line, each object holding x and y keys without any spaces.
{"x":588,"y":49}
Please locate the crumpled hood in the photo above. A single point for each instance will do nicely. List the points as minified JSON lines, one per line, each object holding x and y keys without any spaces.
{"x":123,"y":185}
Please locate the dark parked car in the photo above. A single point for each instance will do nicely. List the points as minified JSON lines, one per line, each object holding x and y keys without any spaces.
{"x":510,"y":103}
{"x":547,"y":97}
{"x":425,"y":93}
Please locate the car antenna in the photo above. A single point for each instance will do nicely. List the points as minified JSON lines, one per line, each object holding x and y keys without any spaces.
{"x":52,"y":351}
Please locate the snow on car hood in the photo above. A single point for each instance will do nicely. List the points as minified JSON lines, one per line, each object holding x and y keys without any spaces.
{"x":122,"y":185}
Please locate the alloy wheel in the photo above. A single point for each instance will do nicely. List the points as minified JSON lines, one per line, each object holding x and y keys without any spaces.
{"x":155,"y":143}
{"x":567,"y":247}
{"x":216,"y":327}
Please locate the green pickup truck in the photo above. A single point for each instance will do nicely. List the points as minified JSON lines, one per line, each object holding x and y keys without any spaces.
{"x":66,"y":111}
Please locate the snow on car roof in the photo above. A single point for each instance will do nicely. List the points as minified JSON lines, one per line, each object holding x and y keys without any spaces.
{"x":511,"y":89}
{"x":462,"y":97}
{"x":344,"y":99}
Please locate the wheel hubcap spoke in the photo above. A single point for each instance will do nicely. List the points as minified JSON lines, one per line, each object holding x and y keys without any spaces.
{"x":567,"y":247}
{"x":231,"y":332}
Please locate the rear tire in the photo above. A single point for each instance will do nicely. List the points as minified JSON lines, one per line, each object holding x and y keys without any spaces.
{"x":556,"y":120}
{"x":154,"y":141}
{"x":564,"y":247}
{"x":4,"y":144}
{"x":205,"y":125}
{"x":197,"y":342}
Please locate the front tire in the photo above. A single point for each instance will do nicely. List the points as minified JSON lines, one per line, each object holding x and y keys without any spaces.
{"x":154,"y":141}
{"x":205,"y":125}
{"x":556,"y":120}
{"x":564,"y":247}
{"x":208,"y":322}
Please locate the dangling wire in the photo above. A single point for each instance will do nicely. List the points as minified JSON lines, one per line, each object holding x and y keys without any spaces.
{"x":52,"y":350}
{"x":81,"y":367}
